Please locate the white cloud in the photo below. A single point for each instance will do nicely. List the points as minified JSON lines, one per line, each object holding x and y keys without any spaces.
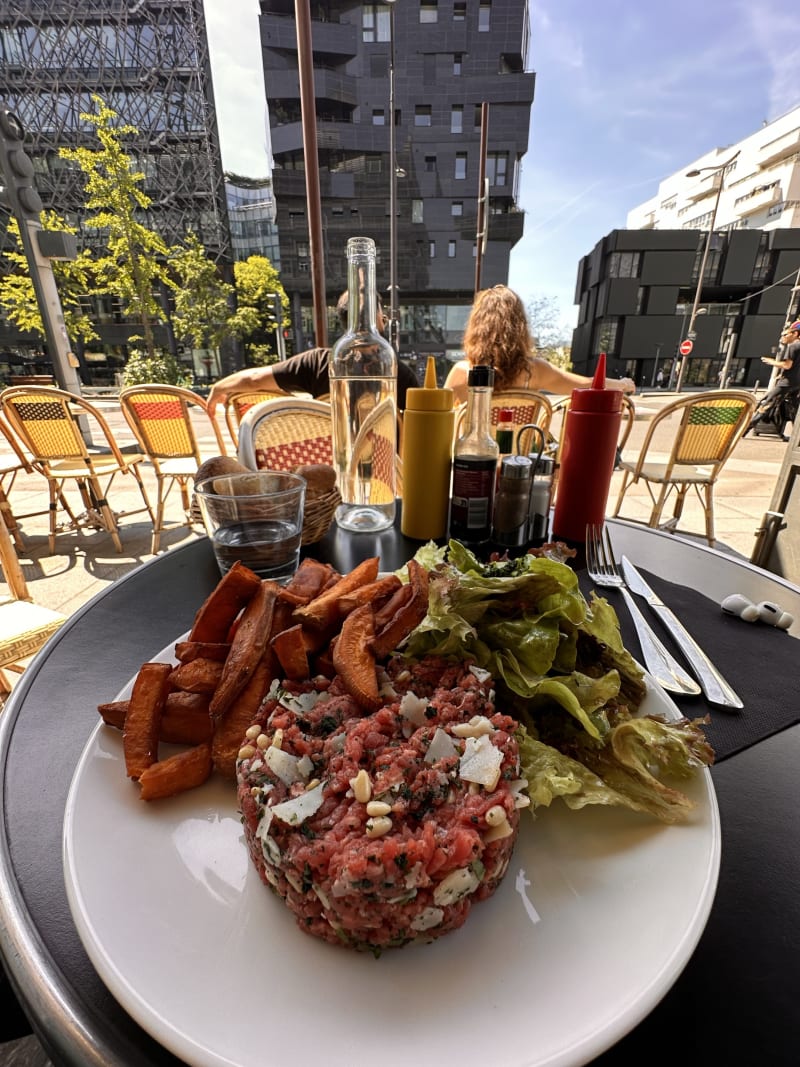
{"x":235,"y":48}
{"x":773,"y":26}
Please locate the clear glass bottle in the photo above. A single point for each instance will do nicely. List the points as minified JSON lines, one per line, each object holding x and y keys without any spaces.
{"x":475,"y":464}
{"x":363,"y":379}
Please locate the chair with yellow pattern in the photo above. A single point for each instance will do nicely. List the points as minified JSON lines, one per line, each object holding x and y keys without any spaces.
{"x":47,"y":422}
{"x":161,"y":417}
{"x":238,"y":404}
{"x":24,"y":626}
{"x":281,"y":434}
{"x":700,"y":432}
{"x":12,"y":461}
{"x":528,"y":406}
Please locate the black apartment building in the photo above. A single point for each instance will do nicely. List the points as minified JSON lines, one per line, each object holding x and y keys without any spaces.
{"x":149,"y":61}
{"x":636,"y":290}
{"x":450,"y":57}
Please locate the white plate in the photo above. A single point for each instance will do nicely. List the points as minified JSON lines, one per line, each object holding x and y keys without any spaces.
{"x":597,"y":916}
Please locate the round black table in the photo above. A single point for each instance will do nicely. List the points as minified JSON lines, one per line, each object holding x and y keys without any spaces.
{"x":735,"y":1002}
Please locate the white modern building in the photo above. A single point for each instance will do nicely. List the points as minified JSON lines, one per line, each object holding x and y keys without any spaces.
{"x":761,"y":187}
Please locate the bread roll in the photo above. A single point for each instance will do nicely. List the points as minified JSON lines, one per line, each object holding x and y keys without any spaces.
{"x":320,"y":478}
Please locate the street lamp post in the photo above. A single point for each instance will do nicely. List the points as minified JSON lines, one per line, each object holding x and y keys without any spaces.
{"x":690,"y":333}
{"x":394,"y":317}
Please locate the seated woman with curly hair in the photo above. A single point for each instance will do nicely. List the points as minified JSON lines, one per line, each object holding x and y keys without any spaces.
{"x":497,"y":334}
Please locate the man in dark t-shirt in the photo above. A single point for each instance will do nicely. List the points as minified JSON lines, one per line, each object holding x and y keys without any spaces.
{"x":788,"y":361}
{"x":306,"y":372}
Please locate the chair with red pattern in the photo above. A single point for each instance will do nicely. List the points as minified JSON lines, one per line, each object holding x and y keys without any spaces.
{"x":285,"y":433}
{"x":161,"y":417}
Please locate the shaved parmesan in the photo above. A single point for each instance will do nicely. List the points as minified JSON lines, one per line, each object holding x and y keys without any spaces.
{"x":295,"y":811}
{"x":441,"y":747}
{"x":287,"y":767}
{"x":481,"y":674}
{"x":456,"y":885}
{"x":413,"y":708}
{"x":427,"y":918}
{"x":481,"y":762}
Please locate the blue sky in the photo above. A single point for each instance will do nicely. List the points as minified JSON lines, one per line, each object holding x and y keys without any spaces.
{"x":627,"y":92}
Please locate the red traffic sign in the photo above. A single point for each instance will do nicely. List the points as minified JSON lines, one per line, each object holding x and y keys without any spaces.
{"x":686,"y":348}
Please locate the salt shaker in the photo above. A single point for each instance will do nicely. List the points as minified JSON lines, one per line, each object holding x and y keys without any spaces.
{"x":512,"y":502}
{"x":541,"y":496}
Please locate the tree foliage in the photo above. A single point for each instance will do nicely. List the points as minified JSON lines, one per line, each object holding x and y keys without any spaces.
{"x":548,"y":331}
{"x":135,"y":262}
{"x":160,"y":367}
{"x":257,"y":282}
{"x":202,"y":300}
{"x":74,"y":280}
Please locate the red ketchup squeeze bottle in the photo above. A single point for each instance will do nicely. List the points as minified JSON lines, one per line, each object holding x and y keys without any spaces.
{"x":588,"y":452}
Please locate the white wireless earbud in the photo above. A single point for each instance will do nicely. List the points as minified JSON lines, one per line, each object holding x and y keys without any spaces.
{"x":767,"y":612}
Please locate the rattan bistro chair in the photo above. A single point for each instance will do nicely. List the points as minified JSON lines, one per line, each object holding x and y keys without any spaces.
{"x":48,"y":423}
{"x":12,"y":462}
{"x":238,"y":404}
{"x":528,"y":407}
{"x":281,"y":434}
{"x":161,"y":419}
{"x":707,"y":428}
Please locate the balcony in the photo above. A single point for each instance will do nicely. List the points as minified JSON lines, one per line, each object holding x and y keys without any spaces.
{"x":761,"y":198}
{"x":780,"y":148}
{"x":705,"y":186}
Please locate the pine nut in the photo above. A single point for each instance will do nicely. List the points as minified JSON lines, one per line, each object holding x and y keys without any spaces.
{"x":312,"y":784}
{"x":378,"y":827}
{"x":497,"y":833}
{"x":262,"y":741}
{"x":253,"y":732}
{"x":246,"y":751}
{"x":277,"y":739}
{"x":362,"y":787}
{"x":378,"y":807}
{"x":495,"y":815}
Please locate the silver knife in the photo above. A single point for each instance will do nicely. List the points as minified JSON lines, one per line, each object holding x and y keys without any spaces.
{"x":714,"y":685}
{"x":661,"y":664}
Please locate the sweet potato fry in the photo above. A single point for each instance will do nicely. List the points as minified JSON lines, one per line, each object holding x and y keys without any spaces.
{"x":290,"y":649}
{"x":229,"y":735}
{"x":353,"y":660}
{"x":213,"y":621}
{"x":197,"y":676}
{"x":177,"y":773}
{"x":323,"y":611}
{"x":409,"y":616}
{"x":186,"y":651}
{"x":247,"y":648}
{"x":310,"y":579}
{"x":140,"y":735}
{"x":184,"y":720}
{"x":387,"y":611}
{"x":371,"y":593}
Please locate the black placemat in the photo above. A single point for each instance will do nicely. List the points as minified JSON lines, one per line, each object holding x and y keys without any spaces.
{"x":759,"y":661}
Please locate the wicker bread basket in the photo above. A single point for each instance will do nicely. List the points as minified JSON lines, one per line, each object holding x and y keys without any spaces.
{"x":318,"y":515}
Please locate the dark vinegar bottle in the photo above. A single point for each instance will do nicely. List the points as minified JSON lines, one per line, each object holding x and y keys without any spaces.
{"x":475,"y":464}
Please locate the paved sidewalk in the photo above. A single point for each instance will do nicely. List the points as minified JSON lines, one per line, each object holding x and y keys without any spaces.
{"x":85,"y":561}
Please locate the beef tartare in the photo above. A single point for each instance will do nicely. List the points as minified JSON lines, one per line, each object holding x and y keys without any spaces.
{"x":385,"y":828}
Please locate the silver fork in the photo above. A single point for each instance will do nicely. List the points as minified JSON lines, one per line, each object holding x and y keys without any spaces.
{"x":602,"y":569}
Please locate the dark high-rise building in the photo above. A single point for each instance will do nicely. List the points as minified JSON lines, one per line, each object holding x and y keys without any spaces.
{"x":149,"y":62}
{"x":450,"y":57}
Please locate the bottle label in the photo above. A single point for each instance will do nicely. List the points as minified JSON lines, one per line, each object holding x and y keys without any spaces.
{"x":473,"y":491}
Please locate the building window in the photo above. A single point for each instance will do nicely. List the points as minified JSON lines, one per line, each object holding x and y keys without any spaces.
{"x":417,"y":211}
{"x":461,"y":165}
{"x":459,"y":11}
{"x":624,"y":265}
{"x":457,"y":207}
{"x":432,"y":249}
{"x":375,"y":23}
{"x":476,"y":118}
{"x":378,"y":117}
{"x":457,"y":119}
{"x":451,"y":249}
{"x":428,"y":11}
{"x":604,"y":337}
{"x":430,"y":163}
{"x":484,"y":17}
{"x":422,"y":115}
{"x":457,"y":64}
{"x":497,"y":167}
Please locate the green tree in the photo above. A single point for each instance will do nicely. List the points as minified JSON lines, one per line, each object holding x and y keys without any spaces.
{"x":135,"y":262}
{"x":161,"y":367}
{"x":548,"y":331}
{"x":257,"y":282}
{"x":202,"y":315}
{"x":74,"y":280}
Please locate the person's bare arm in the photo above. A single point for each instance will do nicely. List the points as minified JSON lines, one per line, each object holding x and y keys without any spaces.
{"x":784,"y":364}
{"x":258,"y":379}
{"x":457,"y":381}
{"x":551,"y":379}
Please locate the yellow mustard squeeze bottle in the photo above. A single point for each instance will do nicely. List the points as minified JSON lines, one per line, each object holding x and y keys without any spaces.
{"x":427,"y":454}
